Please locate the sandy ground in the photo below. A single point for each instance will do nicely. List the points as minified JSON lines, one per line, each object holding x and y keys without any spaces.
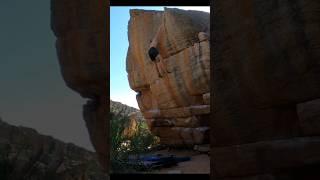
{"x":199,"y":163}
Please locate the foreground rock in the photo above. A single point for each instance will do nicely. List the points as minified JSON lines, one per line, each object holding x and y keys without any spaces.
{"x":174,"y":101}
{"x":26,"y":154}
{"x":81,"y":46}
{"x":266,"y":67}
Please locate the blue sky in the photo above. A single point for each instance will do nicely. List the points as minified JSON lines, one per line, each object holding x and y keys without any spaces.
{"x":119,"y":86}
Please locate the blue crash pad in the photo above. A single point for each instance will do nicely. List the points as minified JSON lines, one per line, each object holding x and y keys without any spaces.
{"x":162,"y":161}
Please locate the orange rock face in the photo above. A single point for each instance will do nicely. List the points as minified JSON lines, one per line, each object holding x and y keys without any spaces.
{"x":175,"y":98}
{"x":132,"y":127}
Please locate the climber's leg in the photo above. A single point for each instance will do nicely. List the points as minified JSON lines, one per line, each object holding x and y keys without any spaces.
{"x":158,"y":71}
{"x":162,"y":66}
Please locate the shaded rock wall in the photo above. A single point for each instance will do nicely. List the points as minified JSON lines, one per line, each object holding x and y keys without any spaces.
{"x":176,"y":105}
{"x":266,"y":62}
{"x":80,"y":28}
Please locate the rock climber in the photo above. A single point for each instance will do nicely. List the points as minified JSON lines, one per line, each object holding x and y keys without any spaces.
{"x":155,"y":55}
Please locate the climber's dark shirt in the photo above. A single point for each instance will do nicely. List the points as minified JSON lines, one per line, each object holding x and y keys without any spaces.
{"x":153,"y":53}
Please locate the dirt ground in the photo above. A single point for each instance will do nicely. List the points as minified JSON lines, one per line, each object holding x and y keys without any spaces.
{"x":199,"y":163}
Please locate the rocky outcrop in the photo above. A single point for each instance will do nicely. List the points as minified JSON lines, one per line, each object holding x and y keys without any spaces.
{"x":134,"y":116}
{"x":81,"y":46}
{"x":173,"y":93}
{"x":132,"y":127}
{"x":26,"y":154}
{"x":266,"y":66}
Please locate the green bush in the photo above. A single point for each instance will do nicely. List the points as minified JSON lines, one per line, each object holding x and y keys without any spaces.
{"x":124,"y":147}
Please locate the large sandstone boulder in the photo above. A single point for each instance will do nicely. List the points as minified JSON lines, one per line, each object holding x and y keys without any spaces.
{"x":266,"y":61}
{"x":81,"y":46}
{"x":176,"y":105}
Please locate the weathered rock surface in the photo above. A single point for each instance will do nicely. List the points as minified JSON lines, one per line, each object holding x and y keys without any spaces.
{"x":266,"y":61}
{"x":26,"y":154}
{"x":176,"y":105}
{"x":81,"y":46}
{"x":309,"y":117}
